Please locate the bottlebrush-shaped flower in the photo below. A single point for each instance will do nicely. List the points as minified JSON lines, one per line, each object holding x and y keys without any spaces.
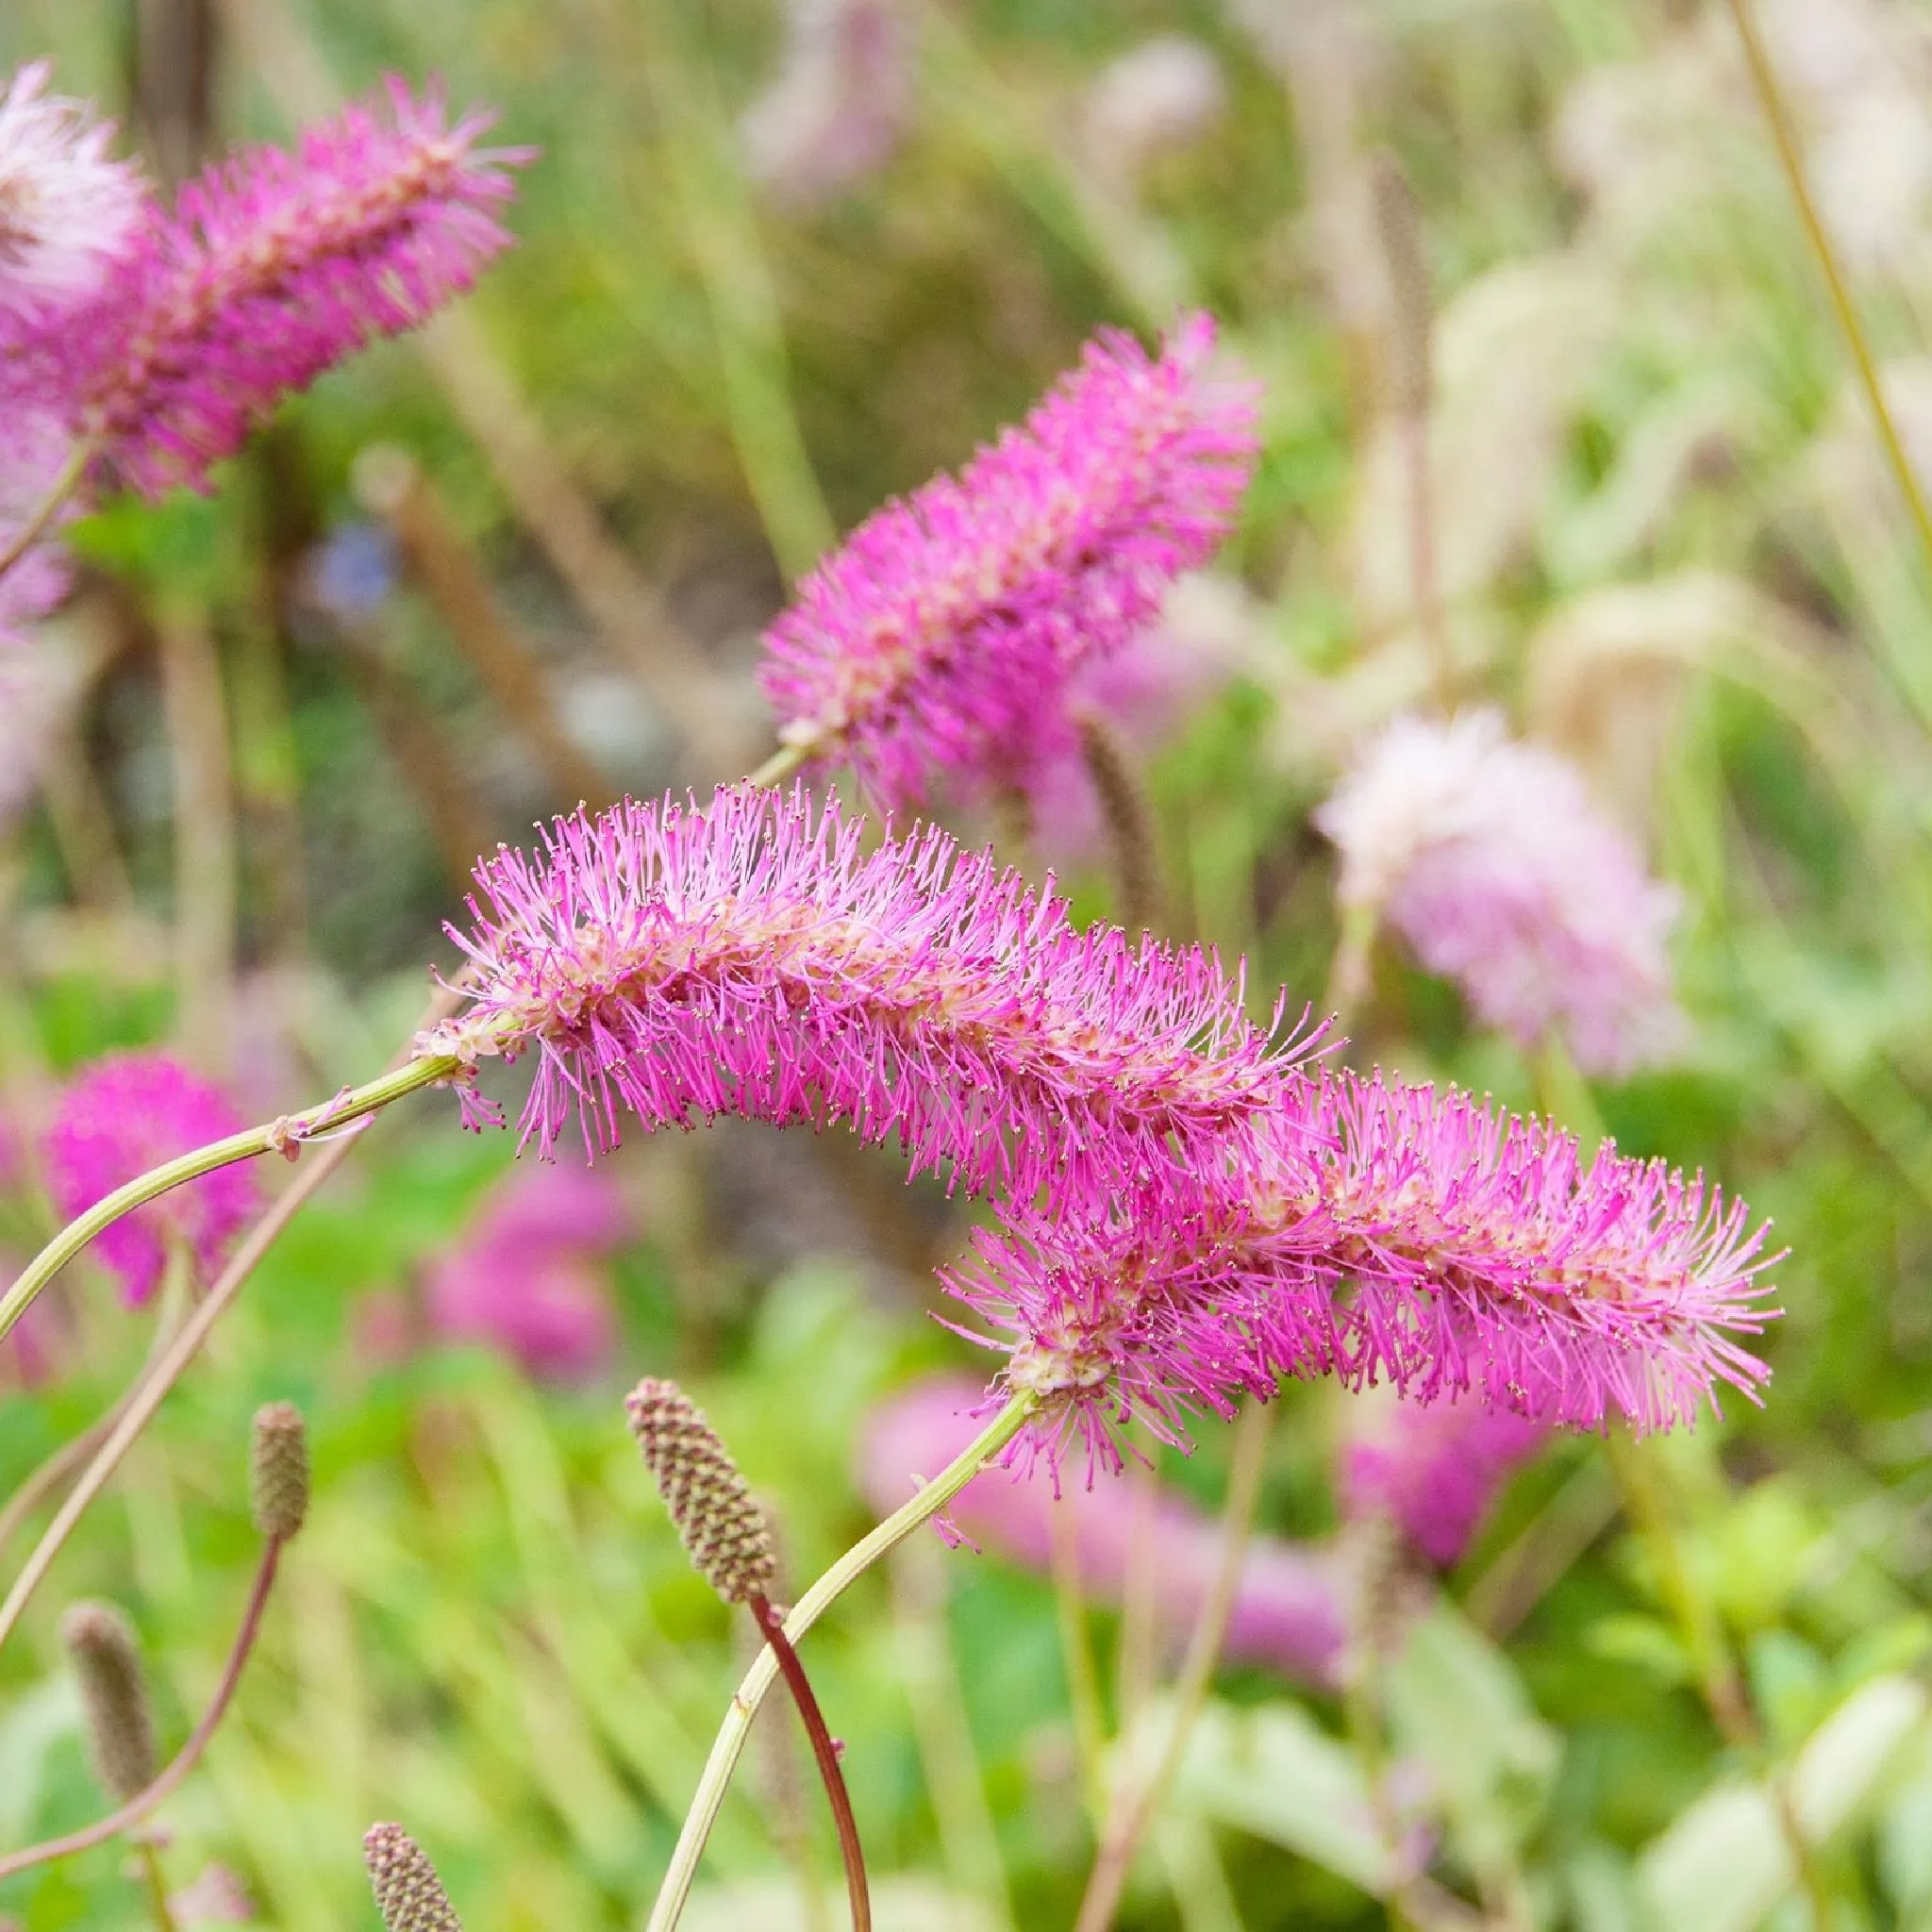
{"x":1381,"y":1232}
{"x":124,"y":1115}
{"x":524,"y":1277}
{"x":68,"y":213}
{"x":271,"y":268}
{"x":1435,"y":1469}
{"x":756,"y":959}
{"x":1490,"y":858}
{"x":1288,"y":1609}
{"x":936,"y":641}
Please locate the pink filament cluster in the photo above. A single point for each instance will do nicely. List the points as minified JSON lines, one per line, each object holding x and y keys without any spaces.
{"x":124,"y":1115}
{"x":1491,"y":859}
{"x":1376,"y":1231}
{"x":525,"y":1278}
{"x":1435,"y":1468}
{"x":1288,"y":1607}
{"x":754,"y":959}
{"x":271,"y":268}
{"x":939,"y":639}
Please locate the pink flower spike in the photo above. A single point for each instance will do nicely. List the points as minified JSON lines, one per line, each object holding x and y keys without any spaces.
{"x":524,"y":1279}
{"x":1489,"y":857}
{"x":756,"y":959}
{"x":68,"y":213}
{"x":272,"y":268}
{"x":124,"y":1115}
{"x":1435,"y":1468}
{"x":1376,"y":1231}
{"x":1287,"y":1610}
{"x":939,"y":639}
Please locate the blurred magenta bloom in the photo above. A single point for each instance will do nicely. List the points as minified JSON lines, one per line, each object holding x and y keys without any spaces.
{"x":124,"y":1115}
{"x":269,"y":269}
{"x":1435,"y":1469}
{"x":1487,"y":855}
{"x":758,"y":959}
{"x":1288,"y":1610}
{"x":1377,"y":1231}
{"x":525,"y":1278}
{"x":841,"y":103}
{"x":68,"y":212}
{"x":939,"y":640}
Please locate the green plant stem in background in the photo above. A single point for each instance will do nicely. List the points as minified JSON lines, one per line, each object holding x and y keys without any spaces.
{"x":1077,"y":1657}
{"x":783,"y":762}
{"x":66,"y":480}
{"x":156,"y":1886}
{"x":732,"y":1733}
{"x":1784,"y":134}
{"x":1348,"y":986}
{"x":292,"y":1130}
{"x":1135,"y":1804}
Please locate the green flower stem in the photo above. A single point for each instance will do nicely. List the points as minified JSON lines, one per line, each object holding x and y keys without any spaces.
{"x":291,"y":1131}
{"x":732,"y":1733}
{"x":157,"y":1887}
{"x":786,"y":760}
{"x":65,"y":482}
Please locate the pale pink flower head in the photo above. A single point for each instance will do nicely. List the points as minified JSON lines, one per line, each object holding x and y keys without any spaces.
{"x":933,"y":650}
{"x":1287,"y":1610}
{"x":763,"y":958}
{"x":841,"y":103}
{"x":1490,"y":858}
{"x":68,"y":213}
{"x":124,"y":1115}
{"x":525,"y":1278}
{"x":1435,"y":1469}
{"x":271,"y":268}
{"x":1377,"y":1232}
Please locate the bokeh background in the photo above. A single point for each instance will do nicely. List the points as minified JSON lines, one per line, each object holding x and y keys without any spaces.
{"x":770,"y":272}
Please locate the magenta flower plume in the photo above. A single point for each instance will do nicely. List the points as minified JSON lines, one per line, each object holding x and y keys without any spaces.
{"x":124,"y":1115}
{"x":272,"y":268}
{"x":68,"y":212}
{"x":1490,"y":858}
{"x":756,"y":959}
{"x":525,"y":1278}
{"x":1435,"y":1469}
{"x":1288,"y":1607}
{"x":939,"y":639}
{"x":1380,"y":1232}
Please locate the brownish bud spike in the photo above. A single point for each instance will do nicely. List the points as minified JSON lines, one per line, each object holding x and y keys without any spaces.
{"x":278,"y":1471}
{"x":708,"y":1499}
{"x":113,"y":1696}
{"x":408,"y":1894}
{"x":1411,"y":305}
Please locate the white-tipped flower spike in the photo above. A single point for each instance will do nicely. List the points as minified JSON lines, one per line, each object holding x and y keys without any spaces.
{"x":100,"y":1644}
{"x":408,"y":1894}
{"x":718,"y":1523}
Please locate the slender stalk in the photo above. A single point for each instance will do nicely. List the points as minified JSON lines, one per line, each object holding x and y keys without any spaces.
{"x":1350,"y":973}
{"x":354,"y":1104}
{"x":155,"y":1885}
{"x":1784,"y":135}
{"x":1076,"y":1654}
{"x":44,"y":511}
{"x":184,"y":1761}
{"x":827,"y":1752}
{"x":729,"y":1744}
{"x":1134,"y":1808}
{"x":786,"y":760}
{"x":1110,"y":764}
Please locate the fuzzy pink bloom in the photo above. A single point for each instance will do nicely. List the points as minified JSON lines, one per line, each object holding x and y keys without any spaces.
{"x":1490,"y":858}
{"x":841,"y":103}
{"x":124,"y":1115}
{"x":939,"y":640}
{"x":1376,"y":1231}
{"x":1436,"y":1467}
{"x":68,"y":213}
{"x":524,"y":1279}
{"x":272,"y":268}
{"x":756,"y":959}
{"x":1287,"y":1609}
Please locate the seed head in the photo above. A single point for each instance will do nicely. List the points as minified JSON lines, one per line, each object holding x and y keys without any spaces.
{"x":708,"y":1499}
{"x":408,"y":1894}
{"x":113,"y":1694}
{"x":278,"y":1471}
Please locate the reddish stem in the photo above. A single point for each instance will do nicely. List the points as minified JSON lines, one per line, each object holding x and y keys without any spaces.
{"x":823,"y":1748}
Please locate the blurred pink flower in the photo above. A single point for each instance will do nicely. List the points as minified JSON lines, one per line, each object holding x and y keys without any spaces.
{"x":1489,"y":857}
{"x":1435,"y":1468}
{"x":1286,"y":1613}
{"x":122,"y":1116}
{"x":524,"y":1277}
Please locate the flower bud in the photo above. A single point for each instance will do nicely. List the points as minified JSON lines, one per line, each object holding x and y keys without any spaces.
{"x":708,"y":1499}
{"x":278,"y":1471}
{"x":408,"y":1894}
{"x":113,"y":1695}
